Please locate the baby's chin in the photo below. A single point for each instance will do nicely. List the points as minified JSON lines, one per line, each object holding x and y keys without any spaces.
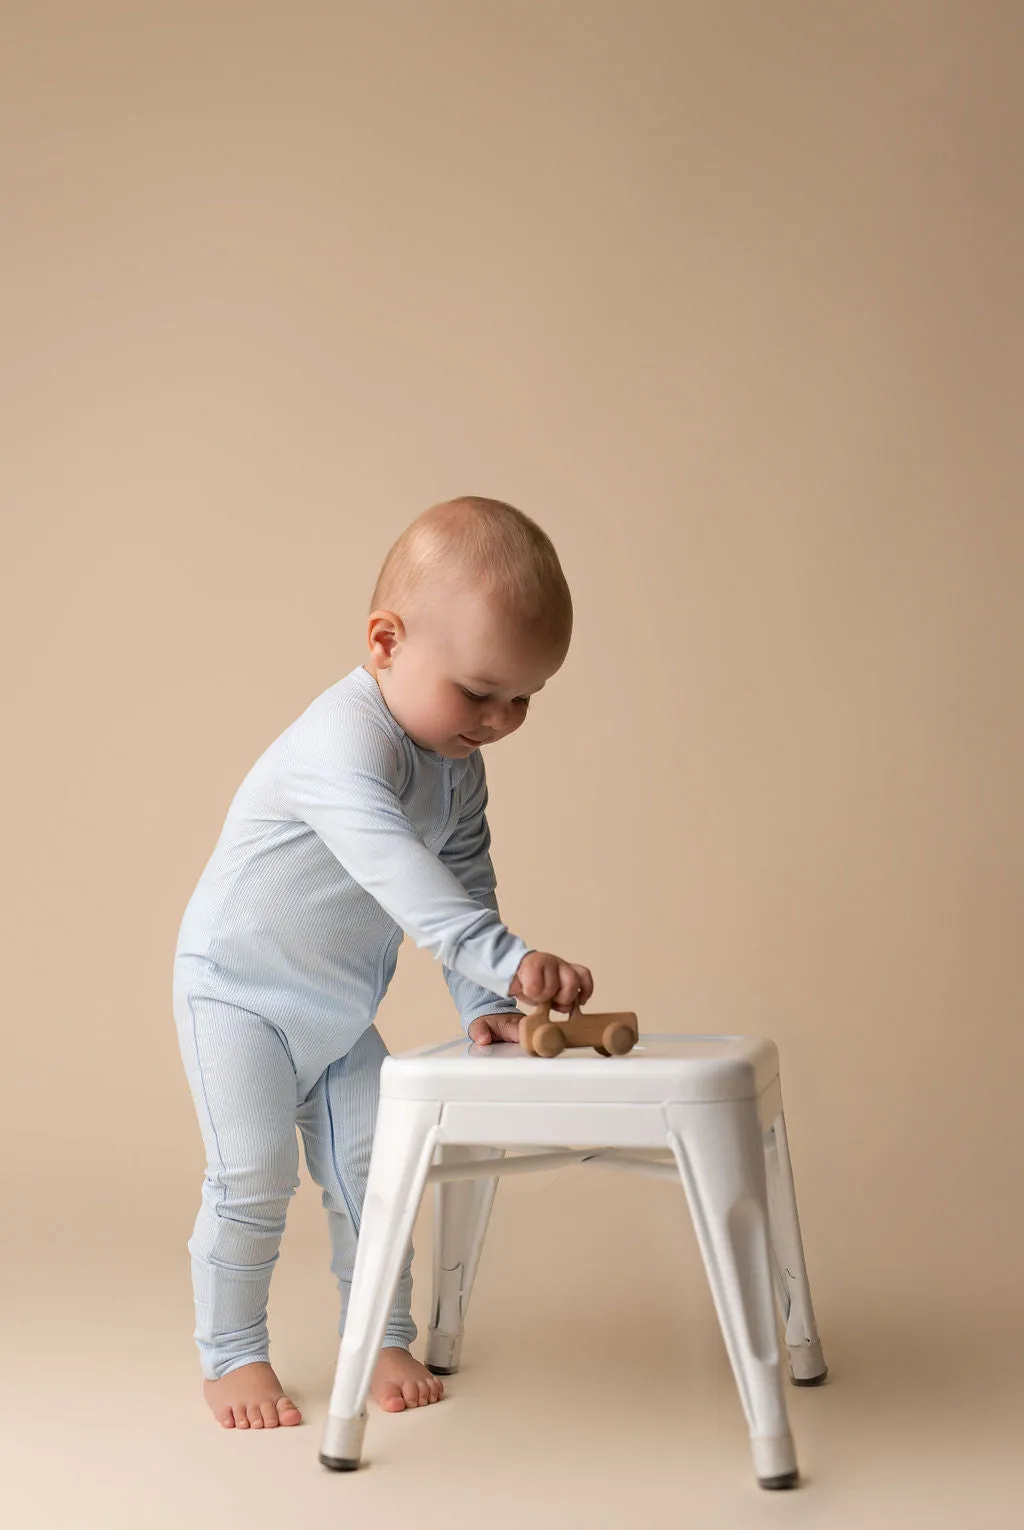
{"x":453,"y":748}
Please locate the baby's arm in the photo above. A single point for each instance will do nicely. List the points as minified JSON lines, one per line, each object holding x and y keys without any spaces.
{"x":467,"y":853}
{"x":342,"y":781}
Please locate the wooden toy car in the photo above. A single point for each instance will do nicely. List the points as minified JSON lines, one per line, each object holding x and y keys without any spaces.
{"x":612,"y":1035}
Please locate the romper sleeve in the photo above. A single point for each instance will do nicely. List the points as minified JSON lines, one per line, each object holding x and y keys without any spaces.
{"x":343,"y":784}
{"x":467,"y":853}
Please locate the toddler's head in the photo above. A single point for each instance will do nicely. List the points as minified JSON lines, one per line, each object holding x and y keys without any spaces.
{"x":470,"y":616}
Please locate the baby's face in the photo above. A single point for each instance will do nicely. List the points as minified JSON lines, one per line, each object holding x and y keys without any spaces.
{"x":460,"y":675}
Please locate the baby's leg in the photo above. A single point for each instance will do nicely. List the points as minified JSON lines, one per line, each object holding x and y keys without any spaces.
{"x":337,"y":1121}
{"x":243,"y":1086}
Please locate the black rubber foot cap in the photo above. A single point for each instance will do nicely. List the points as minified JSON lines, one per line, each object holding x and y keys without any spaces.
{"x":339,"y":1463}
{"x":442,"y":1370}
{"x":774,"y":1484}
{"x":809,"y":1381}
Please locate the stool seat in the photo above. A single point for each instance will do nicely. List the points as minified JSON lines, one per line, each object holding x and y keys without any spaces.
{"x":710,"y":1104}
{"x":660,"y":1067}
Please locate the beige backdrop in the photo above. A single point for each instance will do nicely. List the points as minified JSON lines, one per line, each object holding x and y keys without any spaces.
{"x":727,"y":295}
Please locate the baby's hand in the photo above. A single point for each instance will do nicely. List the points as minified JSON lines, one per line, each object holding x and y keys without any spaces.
{"x":543,"y":976}
{"x":487,"y":1028}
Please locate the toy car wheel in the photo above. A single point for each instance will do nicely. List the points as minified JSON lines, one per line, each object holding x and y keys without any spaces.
{"x":618,"y":1039}
{"x":549,"y":1041}
{"x":602,"y":1051}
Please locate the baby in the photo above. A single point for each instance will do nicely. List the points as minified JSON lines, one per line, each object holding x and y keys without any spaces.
{"x":363,"y":820}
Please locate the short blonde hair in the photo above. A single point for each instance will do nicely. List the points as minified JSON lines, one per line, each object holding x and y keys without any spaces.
{"x":483,"y":545}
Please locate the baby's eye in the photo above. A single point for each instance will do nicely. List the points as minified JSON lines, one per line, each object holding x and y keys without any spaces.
{"x":520,"y":701}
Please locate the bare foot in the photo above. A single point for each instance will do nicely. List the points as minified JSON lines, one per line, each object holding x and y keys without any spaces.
{"x":400,"y":1382}
{"x":250,"y":1398}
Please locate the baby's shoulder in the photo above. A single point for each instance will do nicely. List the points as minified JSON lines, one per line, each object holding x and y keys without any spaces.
{"x":346,"y":724}
{"x":354,"y":702}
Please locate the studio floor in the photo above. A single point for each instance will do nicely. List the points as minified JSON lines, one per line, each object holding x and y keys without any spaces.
{"x":595,"y":1391}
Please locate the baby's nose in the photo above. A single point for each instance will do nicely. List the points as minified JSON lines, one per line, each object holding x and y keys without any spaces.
{"x":495,"y":719}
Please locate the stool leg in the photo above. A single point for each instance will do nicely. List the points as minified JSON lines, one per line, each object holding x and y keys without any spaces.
{"x":806,"y":1361}
{"x":462,"y":1211}
{"x":720,"y":1154}
{"x":403,"y":1145}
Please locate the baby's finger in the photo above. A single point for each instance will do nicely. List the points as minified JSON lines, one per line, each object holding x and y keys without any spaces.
{"x":586,"y":984}
{"x":550,"y":981}
{"x":568,"y":984}
{"x":533,"y":979}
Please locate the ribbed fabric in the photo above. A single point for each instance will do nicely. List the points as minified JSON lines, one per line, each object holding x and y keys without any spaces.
{"x":342,"y":836}
{"x":243,"y":1085}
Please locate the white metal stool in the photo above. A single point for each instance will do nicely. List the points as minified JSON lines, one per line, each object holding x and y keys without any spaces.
{"x":449,"y":1114}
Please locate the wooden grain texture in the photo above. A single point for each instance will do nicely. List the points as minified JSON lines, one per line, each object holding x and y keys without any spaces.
{"x":613,"y":1033}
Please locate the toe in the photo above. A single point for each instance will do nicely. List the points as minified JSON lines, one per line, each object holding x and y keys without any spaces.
{"x":436,"y":1389}
{"x":411,"y":1393}
{"x":392,"y":1399}
{"x":268,"y":1410}
{"x":254,"y":1416}
{"x":424,"y":1390}
{"x":287,"y":1412}
{"x":226,"y":1418}
{"x":241,"y":1422}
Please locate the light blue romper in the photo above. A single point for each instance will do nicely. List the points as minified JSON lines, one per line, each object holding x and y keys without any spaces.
{"x":343,"y":835}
